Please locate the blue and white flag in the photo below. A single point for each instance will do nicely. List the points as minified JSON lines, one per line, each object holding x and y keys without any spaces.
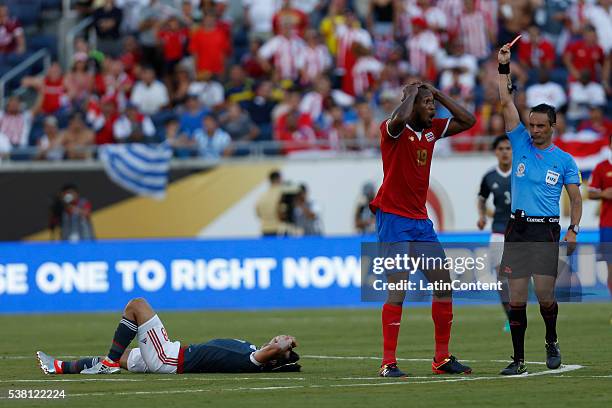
{"x":139,"y":168}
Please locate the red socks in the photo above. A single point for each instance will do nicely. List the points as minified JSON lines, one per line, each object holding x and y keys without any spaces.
{"x":391,"y":319}
{"x":442,"y":315}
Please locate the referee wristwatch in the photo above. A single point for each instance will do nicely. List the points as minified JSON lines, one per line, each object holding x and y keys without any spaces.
{"x":575,"y":228}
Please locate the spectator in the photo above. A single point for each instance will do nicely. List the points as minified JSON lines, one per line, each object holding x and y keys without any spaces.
{"x":51,"y":144}
{"x":458,"y":60}
{"x":600,"y":16}
{"x":107,"y":21}
{"x":305,"y":214}
{"x":210,"y":92}
{"x":365,"y":220}
{"x":515,"y":17}
{"x":133,"y":127}
{"x":72,"y":213}
{"x":236,"y":122}
{"x":260,"y":109}
{"x":365,"y":73}
{"x":173,"y":39}
{"x":182,"y":81}
{"x":79,"y":81}
{"x":295,"y":129}
{"x":210,"y":46}
{"x":258,"y":17}
{"x":149,"y":94}
{"x":367,"y":132}
{"x":422,"y":47}
{"x":12,"y":39}
{"x":582,"y":94}
{"x":322,"y":97}
{"x":586,"y":54}
{"x":114,"y":82}
{"x":536,"y":51}
{"x":131,"y":55}
{"x":77,"y":138}
{"x":268,"y":207}
{"x":238,"y":87}
{"x":285,"y":52}
{"x":474,"y":32}
{"x":213,"y":142}
{"x":316,"y":58}
{"x":15,"y":124}
{"x":251,"y":62}
{"x":597,"y":122}
{"x":435,"y":17}
{"x":105,"y":121}
{"x":349,"y":34}
{"x":546,"y":91}
{"x":191,"y":119}
{"x":151,"y":20}
{"x":338,"y":131}
{"x":50,"y":88}
{"x":291,"y":16}
{"x":335,"y":17}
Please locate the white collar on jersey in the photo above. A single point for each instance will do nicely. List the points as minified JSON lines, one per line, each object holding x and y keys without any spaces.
{"x":415,"y":132}
{"x":501,"y":173}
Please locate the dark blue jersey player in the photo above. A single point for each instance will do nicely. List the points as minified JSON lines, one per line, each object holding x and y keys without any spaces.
{"x":156,"y":353}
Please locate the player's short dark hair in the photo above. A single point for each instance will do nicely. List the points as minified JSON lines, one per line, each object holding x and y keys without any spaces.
{"x":548,"y":110}
{"x":498,"y":140}
{"x":274,"y":176}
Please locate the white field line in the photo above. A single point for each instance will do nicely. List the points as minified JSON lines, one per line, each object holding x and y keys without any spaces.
{"x":403,"y":381}
{"x":149,"y":379}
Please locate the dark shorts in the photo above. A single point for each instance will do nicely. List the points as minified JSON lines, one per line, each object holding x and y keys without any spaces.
{"x":605,"y":244}
{"x":530,"y":249}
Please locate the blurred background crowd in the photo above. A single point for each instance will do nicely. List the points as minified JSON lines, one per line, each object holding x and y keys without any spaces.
{"x":216,"y":78}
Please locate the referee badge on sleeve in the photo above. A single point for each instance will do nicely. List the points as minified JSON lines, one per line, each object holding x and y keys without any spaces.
{"x":552,"y":177}
{"x":520,"y":170}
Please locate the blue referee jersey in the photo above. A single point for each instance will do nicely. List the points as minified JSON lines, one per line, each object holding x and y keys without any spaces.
{"x":538,"y":176}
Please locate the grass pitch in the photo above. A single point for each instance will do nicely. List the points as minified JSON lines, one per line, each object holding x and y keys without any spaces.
{"x":340,"y":350}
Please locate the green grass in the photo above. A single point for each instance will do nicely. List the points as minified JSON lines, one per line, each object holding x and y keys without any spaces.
{"x":584,"y":329}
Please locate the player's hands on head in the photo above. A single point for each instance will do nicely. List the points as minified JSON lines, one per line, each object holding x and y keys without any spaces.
{"x":411,"y":90}
{"x":503,"y":57}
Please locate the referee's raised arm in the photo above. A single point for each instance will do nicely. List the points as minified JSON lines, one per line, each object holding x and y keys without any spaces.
{"x":511,"y":115}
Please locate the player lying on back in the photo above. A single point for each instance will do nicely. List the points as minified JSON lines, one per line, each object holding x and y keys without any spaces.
{"x":157,"y":354}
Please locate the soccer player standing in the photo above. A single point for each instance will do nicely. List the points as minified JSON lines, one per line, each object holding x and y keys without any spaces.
{"x":497,"y":182}
{"x":407,"y":144}
{"x":539,"y":172}
{"x":600,"y":188}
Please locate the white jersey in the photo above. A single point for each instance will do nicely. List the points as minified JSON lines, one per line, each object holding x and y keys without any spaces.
{"x":420,"y":48}
{"x":286,"y":53}
{"x":315,"y":61}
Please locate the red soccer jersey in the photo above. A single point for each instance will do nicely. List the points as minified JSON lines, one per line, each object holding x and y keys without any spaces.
{"x":601,"y":178}
{"x":406,"y":165}
{"x":585,"y":57}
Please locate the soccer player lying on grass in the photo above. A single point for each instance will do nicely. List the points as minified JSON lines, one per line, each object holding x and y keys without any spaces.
{"x":157,"y":354}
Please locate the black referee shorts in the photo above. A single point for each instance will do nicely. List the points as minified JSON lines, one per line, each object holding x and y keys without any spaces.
{"x":530,"y":249}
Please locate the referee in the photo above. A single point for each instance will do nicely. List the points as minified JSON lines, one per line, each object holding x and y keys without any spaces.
{"x":539,"y":172}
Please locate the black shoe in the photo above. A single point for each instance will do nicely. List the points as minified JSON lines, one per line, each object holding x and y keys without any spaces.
{"x":516,"y":367}
{"x":553,"y":355}
{"x":391,"y":370}
{"x":450,"y":365}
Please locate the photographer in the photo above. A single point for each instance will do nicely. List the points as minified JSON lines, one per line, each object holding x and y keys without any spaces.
{"x":72,"y":214}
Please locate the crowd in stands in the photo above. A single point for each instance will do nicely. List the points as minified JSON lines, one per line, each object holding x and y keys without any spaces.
{"x":208,"y":76}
